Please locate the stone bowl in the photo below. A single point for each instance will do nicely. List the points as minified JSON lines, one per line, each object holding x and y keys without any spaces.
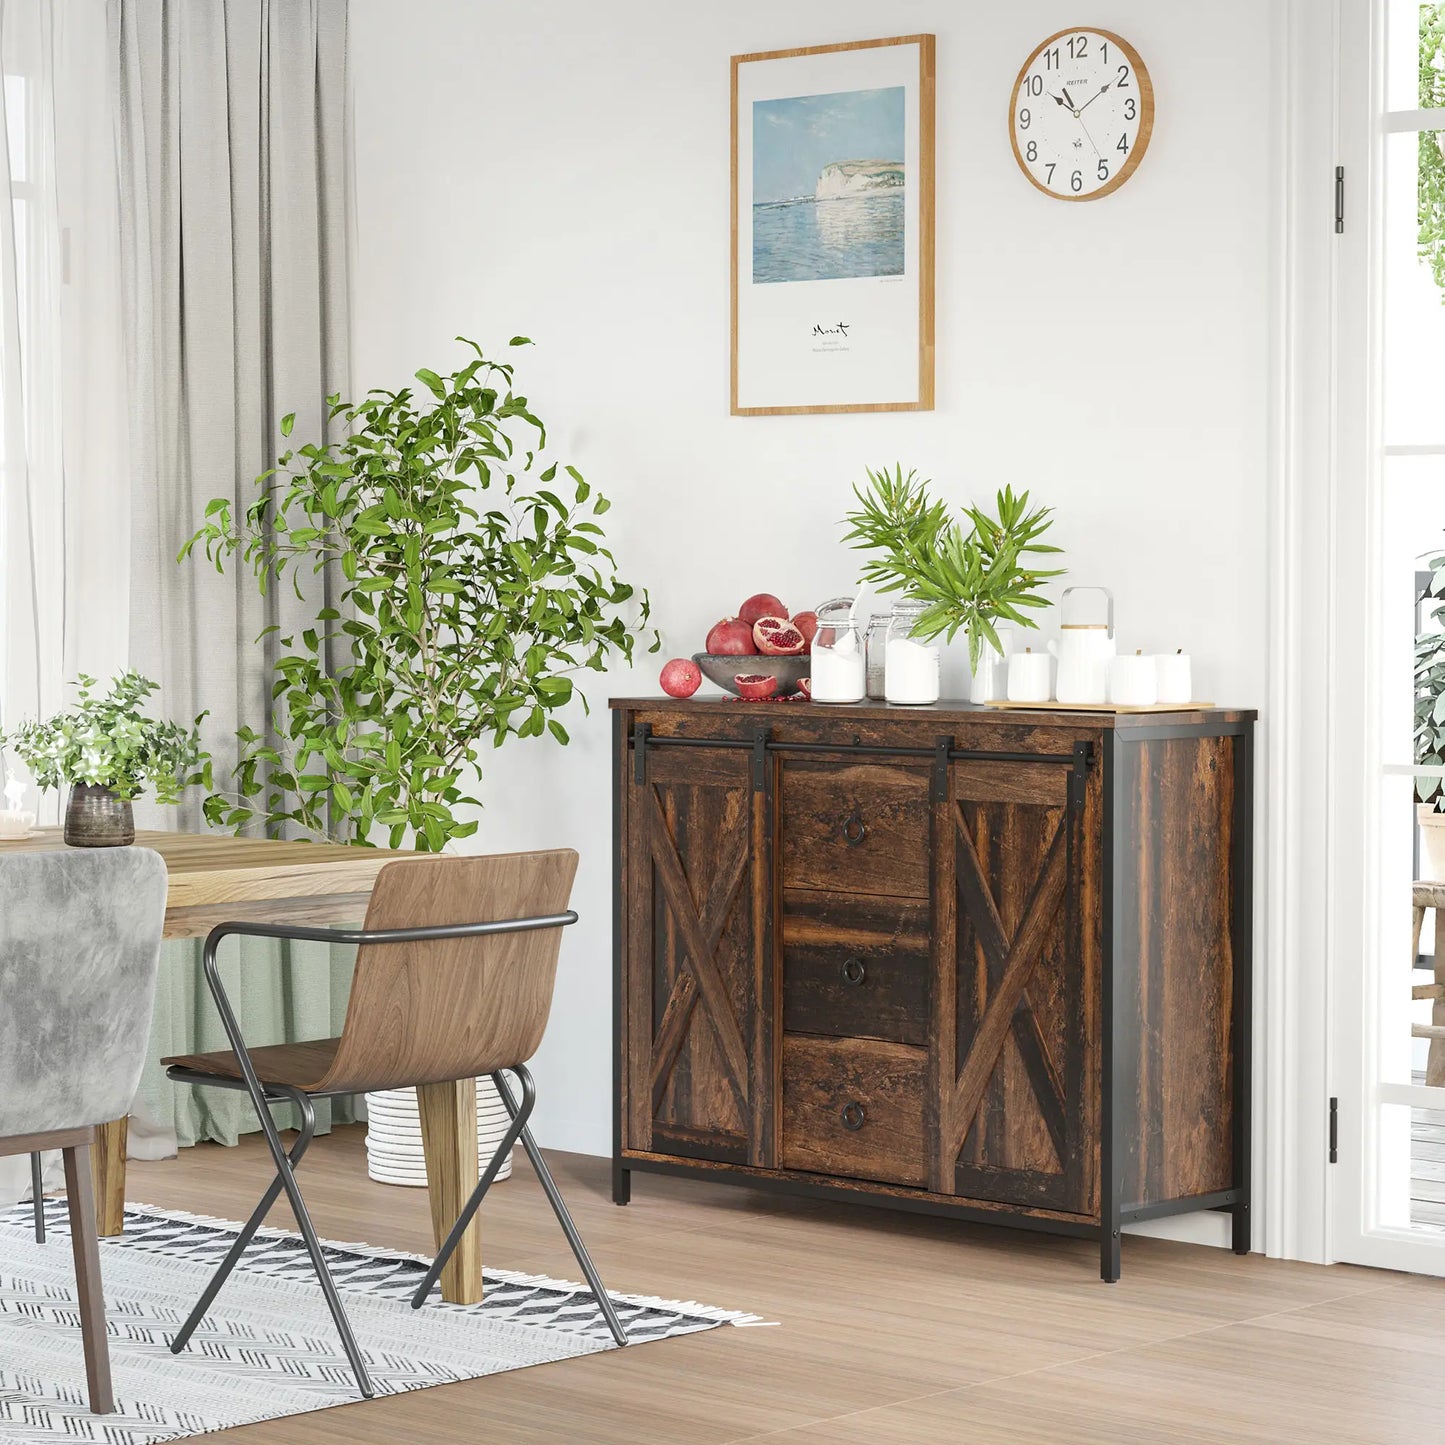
{"x":721,"y":669}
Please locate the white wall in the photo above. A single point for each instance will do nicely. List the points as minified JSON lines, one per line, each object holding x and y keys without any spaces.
{"x":561,"y":170}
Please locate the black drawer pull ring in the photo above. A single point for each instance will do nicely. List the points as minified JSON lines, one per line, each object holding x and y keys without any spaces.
{"x":855,"y":830}
{"x":853,"y":971}
{"x":853,"y":1117}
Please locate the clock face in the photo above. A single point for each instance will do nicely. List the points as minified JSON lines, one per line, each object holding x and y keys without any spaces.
{"x":1082,"y":114}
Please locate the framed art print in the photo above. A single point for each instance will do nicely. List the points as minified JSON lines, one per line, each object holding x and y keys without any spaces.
{"x":832,"y":228}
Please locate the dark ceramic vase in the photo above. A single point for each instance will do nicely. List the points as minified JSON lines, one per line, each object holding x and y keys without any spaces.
{"x":96,"y":818}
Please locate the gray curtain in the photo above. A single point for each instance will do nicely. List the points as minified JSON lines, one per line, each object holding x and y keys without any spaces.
{"x":231,"y":137}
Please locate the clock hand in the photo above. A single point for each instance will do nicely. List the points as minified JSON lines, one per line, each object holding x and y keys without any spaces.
{"x":1058,"y":100}
{"x":1085,"y":129}
{"x":1090,"y":101}
{"x":1067,"y":101}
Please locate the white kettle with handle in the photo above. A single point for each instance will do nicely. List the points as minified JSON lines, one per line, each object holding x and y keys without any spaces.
{"x":1085,"y":650}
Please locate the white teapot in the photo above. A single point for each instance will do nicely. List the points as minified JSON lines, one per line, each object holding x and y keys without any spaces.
{"x":1084,"y":652}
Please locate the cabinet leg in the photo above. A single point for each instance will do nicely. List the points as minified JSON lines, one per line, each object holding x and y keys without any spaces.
{"x":1109,"y":1254}
{"x":107,"y":1163}
{"x":621,"y":1183}
{"x":1240,"y":1217}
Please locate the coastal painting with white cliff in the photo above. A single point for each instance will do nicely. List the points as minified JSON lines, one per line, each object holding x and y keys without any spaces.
{"x":832,"y":221}
{"x":829,"y":181}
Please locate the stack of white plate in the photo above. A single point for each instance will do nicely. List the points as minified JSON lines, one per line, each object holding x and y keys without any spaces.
{"x":393,"y":1134}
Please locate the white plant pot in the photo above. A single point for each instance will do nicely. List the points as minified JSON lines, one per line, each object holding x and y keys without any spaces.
{"x":1432,"y":843}
{"x":393,"y":1135}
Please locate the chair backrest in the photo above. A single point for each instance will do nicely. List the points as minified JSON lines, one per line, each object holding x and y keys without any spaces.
{"x":422,"y":1013}
{"x":80,"y":940}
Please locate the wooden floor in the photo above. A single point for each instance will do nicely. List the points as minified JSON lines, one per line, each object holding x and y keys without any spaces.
{"x":891,"y":1327}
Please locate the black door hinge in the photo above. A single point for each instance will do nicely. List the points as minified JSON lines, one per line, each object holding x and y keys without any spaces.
{"x":1334,"y":1131}
{"x":1339,"y":200}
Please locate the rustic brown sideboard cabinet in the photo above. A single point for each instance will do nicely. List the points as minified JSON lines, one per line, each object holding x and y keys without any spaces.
{"x":985,"y":963}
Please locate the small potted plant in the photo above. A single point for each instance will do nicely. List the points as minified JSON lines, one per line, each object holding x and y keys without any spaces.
{"x":959,"y":574}
{"x":1430,"y":723}
{"x":110,"y":752}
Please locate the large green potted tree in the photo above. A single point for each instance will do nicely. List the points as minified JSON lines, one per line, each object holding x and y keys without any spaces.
{"x":473,"y":582}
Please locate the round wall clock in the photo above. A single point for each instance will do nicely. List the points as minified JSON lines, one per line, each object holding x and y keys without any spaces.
{"x":1081,"y":115}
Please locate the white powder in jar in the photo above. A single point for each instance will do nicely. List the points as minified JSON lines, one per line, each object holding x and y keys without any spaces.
{"x":911,"y":671}
{"x":838,"y":672}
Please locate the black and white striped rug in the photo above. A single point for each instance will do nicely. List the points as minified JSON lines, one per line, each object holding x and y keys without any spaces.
{"x":268,"y":1348}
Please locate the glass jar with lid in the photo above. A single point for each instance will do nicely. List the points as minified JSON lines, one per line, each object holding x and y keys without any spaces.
{"x":838,"y":673}
{"x":913,"y":668}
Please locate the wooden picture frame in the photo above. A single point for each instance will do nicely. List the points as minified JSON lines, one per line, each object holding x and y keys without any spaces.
{"x":833,"y":307}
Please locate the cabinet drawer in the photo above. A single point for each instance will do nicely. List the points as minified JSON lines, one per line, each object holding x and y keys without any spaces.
{"x":856,"y":828}
{"x":855,"y":966}
{"x":854,"y":1108}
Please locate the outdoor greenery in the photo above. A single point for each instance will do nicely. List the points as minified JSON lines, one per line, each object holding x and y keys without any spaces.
{"x":108,"y":741}
{"x":1431,"y":176}
{"x":470,"y":589}
{"x":1430,"y":690}
{"x":969,"y":577}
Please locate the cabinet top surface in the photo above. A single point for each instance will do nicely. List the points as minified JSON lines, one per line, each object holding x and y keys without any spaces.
{"x":947,"y":708}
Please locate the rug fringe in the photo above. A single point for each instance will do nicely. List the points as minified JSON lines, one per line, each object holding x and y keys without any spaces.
{"x":507,"y":1276}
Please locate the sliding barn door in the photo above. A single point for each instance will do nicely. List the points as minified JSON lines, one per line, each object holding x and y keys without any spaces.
{"x":1013,"y":1065}
{"x":699,"y":969}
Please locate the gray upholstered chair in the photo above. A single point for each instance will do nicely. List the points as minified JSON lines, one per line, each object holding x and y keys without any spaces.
{"x":80,"y":939}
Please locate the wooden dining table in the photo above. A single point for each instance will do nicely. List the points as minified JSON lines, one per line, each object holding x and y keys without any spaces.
{"x":215,"y":878}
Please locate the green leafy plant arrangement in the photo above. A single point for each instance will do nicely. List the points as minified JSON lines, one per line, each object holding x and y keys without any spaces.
{"x":471,"y":589}
{"x":970,"y":577}
{"x":1430,"y":692}
{"x":109,"y":742}
{"x":1430,"y":175}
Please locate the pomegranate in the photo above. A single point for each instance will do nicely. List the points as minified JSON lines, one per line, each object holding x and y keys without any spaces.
{"x":760,"y":605}
{"x":805,"y":686}
{"x":755,"y":686}
{"x":681,"y":677}
{"x":807,"y":624}
{"x":732,"y":637}
{"x":777,"y":637}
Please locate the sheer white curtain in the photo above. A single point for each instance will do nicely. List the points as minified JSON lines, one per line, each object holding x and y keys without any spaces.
{"x":64,"y":488}
{"x":64,"y":491}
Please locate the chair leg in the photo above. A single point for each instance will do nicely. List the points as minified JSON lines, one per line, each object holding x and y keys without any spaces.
{"x":244,"y":1238}
{"x":494,"y":1165}
{"x":81,"y":1200}
{"x":554,"y":1197}
{"x":37,"y":1195}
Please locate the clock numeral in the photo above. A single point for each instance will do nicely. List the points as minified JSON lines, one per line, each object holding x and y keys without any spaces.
{"x":1123,"y":80}
{"x":1123,"y":144}
{"x":1049,"y":179}
{"x":1051,"y":58}
{"x":1033,"y":85}
{"x":1103,"y":169}
{"x":1130,"y":109}
{"x":1106,"y":52}
{"x":1025,"y":119}
{"x":1032,"y":151}
{"x":1082,"y":44}
{"x":1076,"y":182}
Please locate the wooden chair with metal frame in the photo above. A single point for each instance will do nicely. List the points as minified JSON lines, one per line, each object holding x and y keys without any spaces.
{"x":455,"y":971}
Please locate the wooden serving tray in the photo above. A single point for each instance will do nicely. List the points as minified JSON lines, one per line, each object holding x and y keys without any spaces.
{"x":1101,"y":706}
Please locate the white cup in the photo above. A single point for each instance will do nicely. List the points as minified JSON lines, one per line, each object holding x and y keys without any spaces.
{"x":1133,"y":681}
{"x":1173,"y":677}
{"x":1028,"y":677}
{"x":16,"y":822}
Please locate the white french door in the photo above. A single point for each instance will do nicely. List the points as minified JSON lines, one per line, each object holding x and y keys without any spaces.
{"x":1387,"y":1195}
